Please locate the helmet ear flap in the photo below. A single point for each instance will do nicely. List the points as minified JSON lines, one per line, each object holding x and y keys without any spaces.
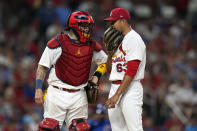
{"x":67,"y":24}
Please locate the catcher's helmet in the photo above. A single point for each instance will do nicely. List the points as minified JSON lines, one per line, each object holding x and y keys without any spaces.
{"x":81,"y":23}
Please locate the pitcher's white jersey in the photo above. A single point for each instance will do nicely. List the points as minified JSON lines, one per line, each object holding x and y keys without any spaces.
{"x":132,"y":48}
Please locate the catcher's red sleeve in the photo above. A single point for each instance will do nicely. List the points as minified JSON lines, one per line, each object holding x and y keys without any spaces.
{"x":132,"y":67}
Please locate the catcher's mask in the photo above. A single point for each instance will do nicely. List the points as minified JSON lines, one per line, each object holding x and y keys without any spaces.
{"x":81,"y":23}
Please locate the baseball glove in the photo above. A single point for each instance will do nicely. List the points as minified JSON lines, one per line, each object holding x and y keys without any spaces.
{"x":112,"y":39}
{"x":92,"y":92}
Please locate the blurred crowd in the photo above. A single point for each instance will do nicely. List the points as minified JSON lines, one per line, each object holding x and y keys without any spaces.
{"x":168,"y":27}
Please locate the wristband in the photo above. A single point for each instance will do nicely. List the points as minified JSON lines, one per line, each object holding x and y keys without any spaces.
{"x":98,"y":74}
{"x":39,"y":84}
{"x":102,"y":68}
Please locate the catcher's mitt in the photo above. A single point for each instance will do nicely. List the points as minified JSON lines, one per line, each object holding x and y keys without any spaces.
{"x":92,"y":92}
{"x":112,"y":39}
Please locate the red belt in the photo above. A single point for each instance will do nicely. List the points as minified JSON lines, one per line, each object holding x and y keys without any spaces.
{"x":68,"y":90}
{"x":117,"y":82}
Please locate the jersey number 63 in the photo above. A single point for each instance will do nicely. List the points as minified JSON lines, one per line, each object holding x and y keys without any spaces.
{"x":121,"y":67}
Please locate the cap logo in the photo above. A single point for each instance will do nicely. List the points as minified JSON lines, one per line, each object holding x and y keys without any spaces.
{"x":121,"y":16}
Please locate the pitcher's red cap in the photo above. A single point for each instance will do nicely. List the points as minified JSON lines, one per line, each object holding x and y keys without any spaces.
{"x":118,"y":13}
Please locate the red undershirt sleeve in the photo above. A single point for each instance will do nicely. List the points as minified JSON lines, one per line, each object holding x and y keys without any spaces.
{"x":132,"y":67}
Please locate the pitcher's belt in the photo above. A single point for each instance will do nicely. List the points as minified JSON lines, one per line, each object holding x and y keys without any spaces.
{"x":68,"y":90}
{"x":116,"y":82}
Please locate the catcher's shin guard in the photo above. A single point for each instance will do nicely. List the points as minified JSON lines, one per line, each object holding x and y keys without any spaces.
{"x":49,"y":124}
{"x":79,"y":124}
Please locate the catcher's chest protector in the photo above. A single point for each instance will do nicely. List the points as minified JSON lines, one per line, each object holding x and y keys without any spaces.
{"x":73,"y":66}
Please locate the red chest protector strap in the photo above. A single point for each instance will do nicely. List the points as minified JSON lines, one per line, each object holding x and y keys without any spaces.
{"x":53,"y":43}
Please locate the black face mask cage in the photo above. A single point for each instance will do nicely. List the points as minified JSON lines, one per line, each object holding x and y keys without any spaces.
{"x":86,"y":31}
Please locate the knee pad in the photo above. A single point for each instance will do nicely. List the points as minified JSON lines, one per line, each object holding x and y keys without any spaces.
{"x":79,"y":125}
{"x":49,"y":124}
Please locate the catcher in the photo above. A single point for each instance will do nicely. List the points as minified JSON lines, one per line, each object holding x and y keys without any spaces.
{"x":69,"y":57}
